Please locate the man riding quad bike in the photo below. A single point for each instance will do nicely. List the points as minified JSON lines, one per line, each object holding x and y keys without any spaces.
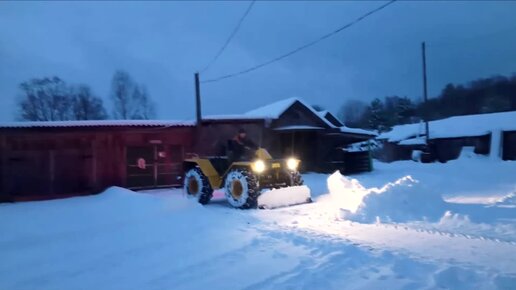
{"x":248,"y":175}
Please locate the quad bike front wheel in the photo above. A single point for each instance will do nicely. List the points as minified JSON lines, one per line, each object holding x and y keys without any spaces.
{"x":197,"y":186}
{"x":241,"y":189}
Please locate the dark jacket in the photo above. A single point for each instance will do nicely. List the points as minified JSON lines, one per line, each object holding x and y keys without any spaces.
{"x":241,"y":149}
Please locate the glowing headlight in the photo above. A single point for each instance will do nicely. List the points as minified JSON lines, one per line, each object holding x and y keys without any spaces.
{"x":259,"y":166}
{"x":292,"y":163}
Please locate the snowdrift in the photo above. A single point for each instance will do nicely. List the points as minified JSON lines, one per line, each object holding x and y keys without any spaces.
{"x":400,"y":201}
{"x":284,"y":197}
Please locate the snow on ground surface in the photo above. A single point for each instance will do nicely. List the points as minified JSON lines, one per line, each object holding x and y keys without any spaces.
{"x":458,"y":126}
{"x":439,"y":226}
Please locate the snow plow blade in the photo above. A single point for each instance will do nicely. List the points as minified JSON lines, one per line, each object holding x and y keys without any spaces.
{"x":286,"y":196}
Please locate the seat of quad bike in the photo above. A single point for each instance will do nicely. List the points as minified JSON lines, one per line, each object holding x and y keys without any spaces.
{"x":220,"y":163}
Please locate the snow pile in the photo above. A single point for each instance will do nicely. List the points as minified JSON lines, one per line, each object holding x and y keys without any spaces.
{"x":284,"y":197}
{"x":400,"y":201}
{"x":507,"y":201}
{"x":453,"y":220}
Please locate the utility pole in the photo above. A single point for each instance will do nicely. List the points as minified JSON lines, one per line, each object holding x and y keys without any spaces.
{"x":198,"y":116}
{"x":425,"y":90}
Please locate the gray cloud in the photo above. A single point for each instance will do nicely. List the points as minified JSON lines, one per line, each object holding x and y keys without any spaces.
{"x":163,"y":43}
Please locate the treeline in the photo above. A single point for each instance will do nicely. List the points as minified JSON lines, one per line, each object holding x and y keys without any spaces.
{"x":52,"y":99}
{"x":487,"y":95}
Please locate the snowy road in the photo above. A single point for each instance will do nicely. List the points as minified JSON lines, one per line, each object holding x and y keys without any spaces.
{"x":123,"y":240}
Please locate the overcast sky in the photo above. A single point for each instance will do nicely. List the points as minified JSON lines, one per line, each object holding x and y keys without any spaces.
{"x":161,"y":44}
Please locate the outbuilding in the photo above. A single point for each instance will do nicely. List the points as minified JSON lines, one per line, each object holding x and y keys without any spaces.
{"x":291,"y":127}
{"x":43,"y":160}
{"x":489,"y":134}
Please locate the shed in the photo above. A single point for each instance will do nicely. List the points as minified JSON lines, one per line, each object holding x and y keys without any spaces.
{"x":43,"y":160}
{"x":490,"y":134}
{"x":291,"y":127}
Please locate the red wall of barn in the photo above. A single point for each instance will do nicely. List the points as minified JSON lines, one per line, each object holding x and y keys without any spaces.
{"x":83,"y":160}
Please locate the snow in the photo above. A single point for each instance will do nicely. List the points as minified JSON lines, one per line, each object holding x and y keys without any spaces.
{"x":439,"y":226}
{"x":362,"y":146}
{"x":413,"y":141}
{"x":458,"y":126}
{"x":274,"y":110}
{"x":298,"y":127}
{"x":97,"y":123}
{"x":231,"y":117}
{"x":284,"y":197}
{"x":400,"y":201}
{"x":349,"y":130}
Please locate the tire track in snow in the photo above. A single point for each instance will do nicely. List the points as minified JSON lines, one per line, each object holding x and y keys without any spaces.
{"x":422,"y":244}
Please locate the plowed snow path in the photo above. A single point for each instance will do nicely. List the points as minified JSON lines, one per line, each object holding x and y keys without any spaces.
{"x":428,"y":245}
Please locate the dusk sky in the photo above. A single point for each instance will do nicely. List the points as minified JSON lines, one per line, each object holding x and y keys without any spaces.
{"x":162,"y":44}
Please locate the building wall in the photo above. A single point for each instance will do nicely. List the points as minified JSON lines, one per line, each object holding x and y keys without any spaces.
{"x":393,"y":152}
{"x":56,"y":162}
{"x":213,"y":136}
{"x":450,"y":148}
{"x":444,"y":149}
{"x":509,"y":145}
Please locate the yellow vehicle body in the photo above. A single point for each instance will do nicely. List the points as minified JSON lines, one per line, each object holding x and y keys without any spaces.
{"x":215,"y":178}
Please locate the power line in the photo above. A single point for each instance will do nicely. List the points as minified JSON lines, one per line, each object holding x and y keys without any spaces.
{"x":235,"y":30}
{"x":301,"y":47}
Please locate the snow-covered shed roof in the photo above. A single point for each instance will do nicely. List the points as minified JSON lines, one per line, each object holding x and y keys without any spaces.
{"x":231,"y":117}
{"x":298,"y":128}
{"x":454,"y":127}
{"x":330,"y":117}
{"x":98,"y":123}
{"x":276,"y":109}
{"x":349,"y":130}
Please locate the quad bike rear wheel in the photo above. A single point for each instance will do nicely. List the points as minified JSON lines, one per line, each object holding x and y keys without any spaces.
{"x":197,"y":186}
{"x":241,"y":189}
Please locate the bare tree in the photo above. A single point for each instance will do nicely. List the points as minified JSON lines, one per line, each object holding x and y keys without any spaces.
{"x":51,"y":99}
{"x":352,"y":111}
{"x":86,"y":106}
{"x":130,"y":100}
{"x":44,"y":99}
{"x":145,"y":108}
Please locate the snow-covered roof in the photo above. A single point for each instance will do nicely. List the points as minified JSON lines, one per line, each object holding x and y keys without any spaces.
{"x":232,"y":117}
{"x":453,"y":127}
{"x":413,"y":141}
{"x":275,"y":110}
{"x":298,"y":127}
{"x":330,"y":117}
{"x":97,"y":123}
{"x":349,"y":130}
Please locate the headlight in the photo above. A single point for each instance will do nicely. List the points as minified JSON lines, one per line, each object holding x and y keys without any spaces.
{"x":292,"y":164}
{"x":259,"y":166}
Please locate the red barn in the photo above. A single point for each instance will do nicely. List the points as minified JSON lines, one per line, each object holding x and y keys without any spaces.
{"x":42,"y":160}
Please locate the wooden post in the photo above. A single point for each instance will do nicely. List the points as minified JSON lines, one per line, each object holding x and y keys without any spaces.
{"x":425,"y":90}
{"x":198,"y":115}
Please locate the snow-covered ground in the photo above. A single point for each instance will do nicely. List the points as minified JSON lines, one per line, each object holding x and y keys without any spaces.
{"x":403,"y":226}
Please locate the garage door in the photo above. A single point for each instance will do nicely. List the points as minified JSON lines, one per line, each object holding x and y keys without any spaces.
{"x":509,"y":145}
{"x":154,"y":166}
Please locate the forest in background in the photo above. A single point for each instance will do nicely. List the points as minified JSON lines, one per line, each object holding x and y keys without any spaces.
{"x":485,"y":95}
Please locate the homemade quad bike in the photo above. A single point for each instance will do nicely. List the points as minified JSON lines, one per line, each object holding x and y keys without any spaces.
{"x":243,"y":182}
